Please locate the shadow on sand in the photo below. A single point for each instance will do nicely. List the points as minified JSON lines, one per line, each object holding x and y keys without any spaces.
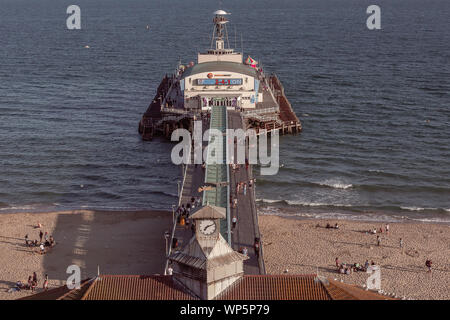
{"x":113,"y":242}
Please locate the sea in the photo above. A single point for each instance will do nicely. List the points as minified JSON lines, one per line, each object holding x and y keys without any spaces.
{"x":374,"y":104}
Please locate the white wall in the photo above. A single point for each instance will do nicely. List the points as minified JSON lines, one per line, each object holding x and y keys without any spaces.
{"x":247,"y":91}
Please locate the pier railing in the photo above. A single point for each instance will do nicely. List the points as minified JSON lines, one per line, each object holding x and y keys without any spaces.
{"x":260,"y":111}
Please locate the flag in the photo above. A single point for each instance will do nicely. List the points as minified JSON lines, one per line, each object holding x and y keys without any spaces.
{"x":251,"y":62}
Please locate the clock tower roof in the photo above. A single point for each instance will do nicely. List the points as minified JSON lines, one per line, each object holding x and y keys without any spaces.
{"x":209,"y":212}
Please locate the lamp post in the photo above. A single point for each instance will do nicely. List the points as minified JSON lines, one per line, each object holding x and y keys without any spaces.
{"x":173,"y":214}
{"x":167,"y":236}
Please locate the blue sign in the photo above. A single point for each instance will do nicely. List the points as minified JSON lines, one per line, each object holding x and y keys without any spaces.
{"x":219,"y":82}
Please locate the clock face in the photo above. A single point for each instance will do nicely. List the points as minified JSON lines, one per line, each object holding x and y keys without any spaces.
{"x":207,"y":227}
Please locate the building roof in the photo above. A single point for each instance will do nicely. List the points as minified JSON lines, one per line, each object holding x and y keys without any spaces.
{"x":120,"y":287}
{"x":218,"y":66}
{"x":61,"y":293}
{"x":249,"y":287}
{"x":208,"y":264}
{"x":294,"y":287}
{"x":209,"y":212}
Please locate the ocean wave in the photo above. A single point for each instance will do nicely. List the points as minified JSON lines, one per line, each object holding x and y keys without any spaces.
{"x":301,"y":203}
{"x":417,"y":208}
{"x":335,"y":184}
{"x":425,"y":209}
{"x":353,"y":207}
{"x":15,"y":208}
{"x":372,"y":217}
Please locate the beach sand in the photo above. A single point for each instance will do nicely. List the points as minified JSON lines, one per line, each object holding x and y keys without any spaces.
{"x":117,"y":242}
{"x":303,"y":248}
{"x":133,"y":243}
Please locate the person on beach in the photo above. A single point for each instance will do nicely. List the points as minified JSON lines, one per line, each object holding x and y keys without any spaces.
{"x":52,"y":241}
{"x":387,"y":228}
{"x":45,"y":285}
{"x":366,"y":265}
{"x":401,"y":243}
{"x":30,"y":282}
{"x":35,"y":279}
{"x":337,"y":262}
{"x":378,"y":240}
{"x":41,"y":234}
{"x":336,"y":226}
{"x":26,"y":240}
{"x":42,"y":248}
{"x":428,"y":264}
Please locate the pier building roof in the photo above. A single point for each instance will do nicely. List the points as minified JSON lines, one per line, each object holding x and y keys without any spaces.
{"x":249,"y":287}
{"x":217,"y":66}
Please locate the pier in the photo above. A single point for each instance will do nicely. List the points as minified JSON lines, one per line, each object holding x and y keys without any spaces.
{"x":216,"y":185}
{"x":226,"y":91}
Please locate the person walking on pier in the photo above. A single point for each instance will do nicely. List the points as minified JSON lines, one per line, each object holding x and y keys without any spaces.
{"x":233,"y":222}
{"x":245,"y":189}
{"x":256,"y":247}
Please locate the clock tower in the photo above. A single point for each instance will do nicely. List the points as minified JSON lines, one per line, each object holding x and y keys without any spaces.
{"x":207,"y":265}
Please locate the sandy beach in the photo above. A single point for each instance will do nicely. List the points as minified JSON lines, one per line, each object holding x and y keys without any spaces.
{"x":303,"y":248}
{"x":133,"y":243}
{"x":117,"y":242}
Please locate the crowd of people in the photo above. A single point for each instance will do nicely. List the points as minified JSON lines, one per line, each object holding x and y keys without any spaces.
{"x":183,"y":212}
{"x":45,"y":241}
{"x":31,"y":284}
{"x":346,"y":268}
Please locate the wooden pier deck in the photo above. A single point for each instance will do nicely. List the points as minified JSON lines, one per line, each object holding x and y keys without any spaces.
{"x":247,"y":228}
